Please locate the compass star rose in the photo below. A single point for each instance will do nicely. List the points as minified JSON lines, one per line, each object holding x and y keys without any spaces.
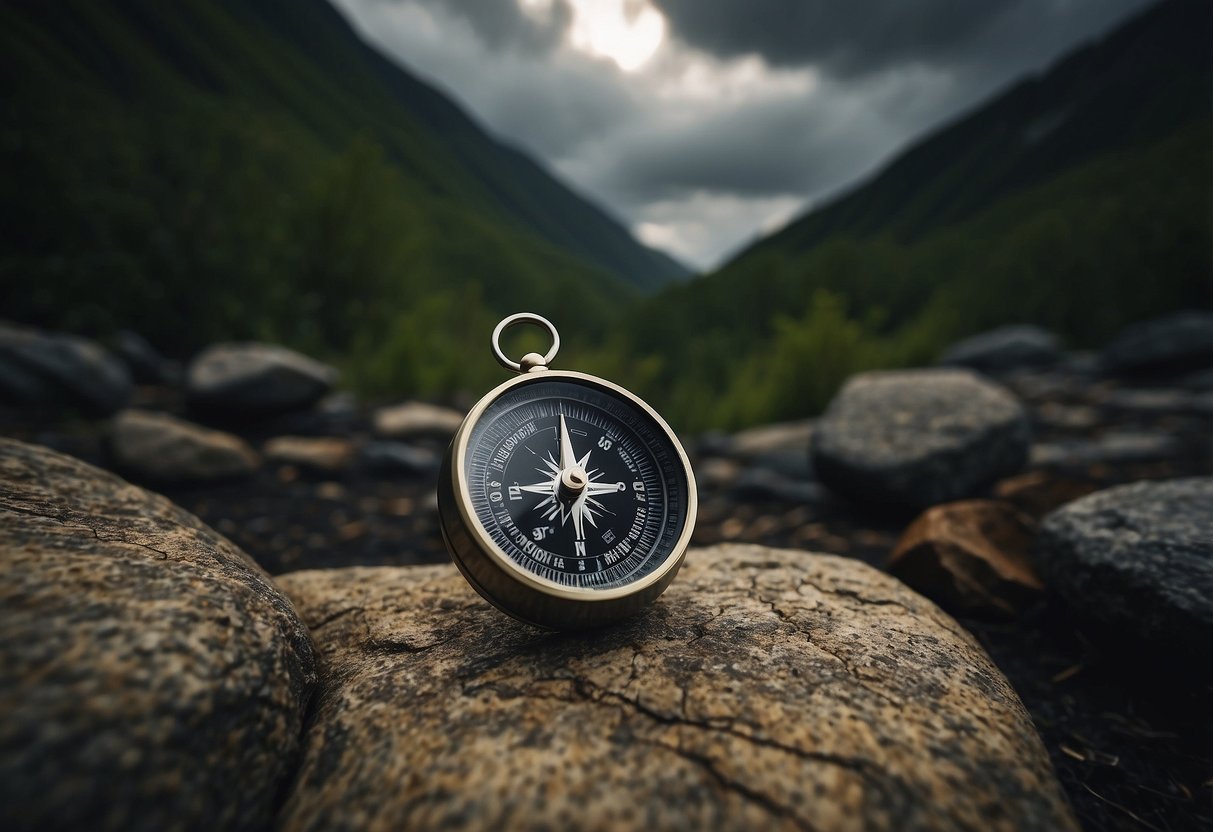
{"x":582,"y":506}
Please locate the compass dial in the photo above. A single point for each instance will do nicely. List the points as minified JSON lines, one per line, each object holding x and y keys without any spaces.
{"x":576,"y":485}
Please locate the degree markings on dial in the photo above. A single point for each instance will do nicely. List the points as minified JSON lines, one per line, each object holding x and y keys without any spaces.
{"x":660,"y":521}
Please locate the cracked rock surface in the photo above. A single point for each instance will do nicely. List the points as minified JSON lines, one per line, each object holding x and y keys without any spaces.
{"x":151,"y":675}
{"x":765,"y":689}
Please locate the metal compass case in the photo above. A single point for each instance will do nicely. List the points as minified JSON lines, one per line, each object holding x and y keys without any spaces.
{"x":565,"y":500}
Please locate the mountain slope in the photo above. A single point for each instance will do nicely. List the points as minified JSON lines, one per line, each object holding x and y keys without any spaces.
{"x":1081,"y":222}
{"x":1140,"y":83}
{"x":302,"y":57}
{"x":214,"y":169}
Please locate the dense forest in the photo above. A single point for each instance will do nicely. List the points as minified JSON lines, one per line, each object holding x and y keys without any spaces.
{"x":227,"y":170}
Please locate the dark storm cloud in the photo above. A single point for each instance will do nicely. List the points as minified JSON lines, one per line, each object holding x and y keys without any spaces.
{"x":762,"y":148}
{"x":502,"y":24}
{"x":749,"y":109}
{"x":851,"y":37}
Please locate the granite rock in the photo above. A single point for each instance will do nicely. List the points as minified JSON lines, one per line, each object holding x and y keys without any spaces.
{"x":158,"y":447}
{"x":1172,"y":344}
{"x":972,"y":557}
{"x":919,"y":437}
{"x":46,"y":368}
{"x":1005,"y":349}
{"x":151,"y":675}
{"x":766,"y":689}
{"x":256,"y":378}
{"x":1138,"y":559}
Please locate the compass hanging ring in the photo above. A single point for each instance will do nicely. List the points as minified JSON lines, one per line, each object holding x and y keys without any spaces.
{"x":531,"y":360}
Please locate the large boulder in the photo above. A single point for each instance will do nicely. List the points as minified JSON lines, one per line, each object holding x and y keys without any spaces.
{"x":256,"y":378}
{"x":1172,"y":344}
{"x":919,"y":437}
{"x":765,"y":689}
{"x":1005,"y":349}
{"x":1138,"y":559}
{"x":151,"y":675}
{"x":160,"y":448}
{"x":46,"y":368}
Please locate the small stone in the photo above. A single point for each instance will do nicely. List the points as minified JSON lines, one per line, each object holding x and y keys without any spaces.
{"x":765,"y":689}
{"x":331,"y":491}
{"x":152,"y":677}
{"x":256,"y":378}
{"x":400,"y":459}
{"x":716,"y":472}
{"x":1115,"y":448}
{"x":414,"y":420}
{"x":764,"y":484}
{"x":145,"y":363}
{"x":1067,"y":417}
{"x":714,"y":443}
{"x":970,"y":557}
{"x":45,"y":369}
{"x":163,"y":448}
{"x":336,"y":414}
{"x":919,"y":437}
{"x":1138,"y":559}
{"x":1200,"y":381}
{"x":1173,"y":344}
{"x":1005,"y":349}
{"x":794,"y":465}
{"x":324,"y":454}
{"x":1036,"y":493}
{"x":765,"y":439}
{"x":1156,"y":401}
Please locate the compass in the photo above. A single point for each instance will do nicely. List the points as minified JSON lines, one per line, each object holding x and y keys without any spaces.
{"x":565,"y":500}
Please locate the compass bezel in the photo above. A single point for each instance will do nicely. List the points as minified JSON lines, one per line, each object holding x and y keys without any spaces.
{"x":510,"y":586}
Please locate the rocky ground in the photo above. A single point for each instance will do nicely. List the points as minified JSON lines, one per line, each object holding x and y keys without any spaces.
{"x":1116,"y":676}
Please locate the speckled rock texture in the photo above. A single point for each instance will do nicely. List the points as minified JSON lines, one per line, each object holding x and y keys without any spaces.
{"x":161,"y":448}
{"x":1138,"y":558}
{"x":767,"y":689}
{"x":251,"y":377}
{"x":916,"y":438}
{"x":972,"y":557}
{"x":151,"y":676}
{"x":1005,"y":349}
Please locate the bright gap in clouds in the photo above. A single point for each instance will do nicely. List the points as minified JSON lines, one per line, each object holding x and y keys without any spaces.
{"x":628,"y":33}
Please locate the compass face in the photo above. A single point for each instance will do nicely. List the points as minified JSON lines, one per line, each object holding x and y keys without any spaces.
{"x":576,"y":484}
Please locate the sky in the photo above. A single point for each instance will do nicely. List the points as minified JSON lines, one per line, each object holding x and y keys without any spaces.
{"x":704,"y":124}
